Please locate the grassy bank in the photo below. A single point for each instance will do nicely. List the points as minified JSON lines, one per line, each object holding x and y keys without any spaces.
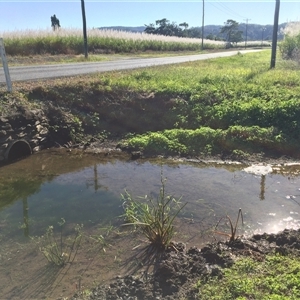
{"x":233,"y":106}
{"x":252,"y":279}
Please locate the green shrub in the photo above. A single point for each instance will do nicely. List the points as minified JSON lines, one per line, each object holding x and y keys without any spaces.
{"x":290,"y":47}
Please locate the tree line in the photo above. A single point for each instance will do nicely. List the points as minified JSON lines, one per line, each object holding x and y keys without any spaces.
{"x":231,"y":31}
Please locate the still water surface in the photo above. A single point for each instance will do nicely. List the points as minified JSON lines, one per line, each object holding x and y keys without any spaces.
{"x":81,"y":188}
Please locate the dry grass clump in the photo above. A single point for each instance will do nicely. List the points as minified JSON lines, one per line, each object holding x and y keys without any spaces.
{"x":292,"y":29}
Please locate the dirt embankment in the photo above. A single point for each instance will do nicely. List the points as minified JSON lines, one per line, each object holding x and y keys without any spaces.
{"x":87,"y":118}
{"x":178,"y":269}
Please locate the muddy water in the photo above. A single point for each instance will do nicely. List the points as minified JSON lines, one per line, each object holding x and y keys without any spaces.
{"x":85,"y":189}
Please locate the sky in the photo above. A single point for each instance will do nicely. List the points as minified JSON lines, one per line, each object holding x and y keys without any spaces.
{"x":35,"y":14}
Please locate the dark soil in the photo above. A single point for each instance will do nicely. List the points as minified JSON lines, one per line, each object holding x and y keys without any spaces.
{"x":175,"y":270}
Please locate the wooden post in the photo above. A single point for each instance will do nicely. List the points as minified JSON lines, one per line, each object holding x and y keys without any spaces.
{"x":5,"y":65}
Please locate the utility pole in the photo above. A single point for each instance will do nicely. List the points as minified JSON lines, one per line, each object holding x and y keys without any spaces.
{"x":262,"y":36}
{"x":275,"y":33}
{"x":202,"y":46}
{"x":84,"y":30}
{"x":246,"y":31}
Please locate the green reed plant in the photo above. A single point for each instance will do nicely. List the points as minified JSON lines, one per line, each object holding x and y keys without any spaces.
{"x":56,"y":250}
{"x":153,"y":217}
{"x":233,"y":226}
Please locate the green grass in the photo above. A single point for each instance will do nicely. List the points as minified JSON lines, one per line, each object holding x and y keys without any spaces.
{"x":234,"y":105}
{"x":277,"y":277}
{"x":229,"y":103}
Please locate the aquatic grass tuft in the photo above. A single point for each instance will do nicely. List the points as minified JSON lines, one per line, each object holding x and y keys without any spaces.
{"x":59,"y":253}
{"x":233,"y":227}
{"x":154,"y":218}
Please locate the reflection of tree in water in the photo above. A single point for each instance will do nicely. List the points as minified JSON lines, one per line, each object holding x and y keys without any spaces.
{"x":15,"y":189}
{"x":12,"y":190}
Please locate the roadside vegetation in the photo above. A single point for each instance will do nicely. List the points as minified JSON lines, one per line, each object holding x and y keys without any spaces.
{"x":69,"y":41}
{"x":231,"y":106}
{"x":290,"y":47}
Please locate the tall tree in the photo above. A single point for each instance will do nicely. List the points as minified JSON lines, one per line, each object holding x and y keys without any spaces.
{"x":164,"y":27}
{"x":185,"y":26}
{"x":231,"y":31}
{"x":150,"y":29}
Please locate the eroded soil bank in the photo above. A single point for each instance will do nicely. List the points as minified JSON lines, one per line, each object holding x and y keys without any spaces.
{"x":98,"y":119}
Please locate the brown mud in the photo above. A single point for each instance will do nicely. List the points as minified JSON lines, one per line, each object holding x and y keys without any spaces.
{"x":179,"y":268}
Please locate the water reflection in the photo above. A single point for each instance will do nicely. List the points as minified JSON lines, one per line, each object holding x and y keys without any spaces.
{"x":25,"y":218}
{"x":81,"y":188}
{"x":262,"y":187}
{"x":95,"y":182}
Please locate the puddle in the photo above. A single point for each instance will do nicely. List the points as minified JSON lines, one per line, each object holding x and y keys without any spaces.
{"x":85,"y":189}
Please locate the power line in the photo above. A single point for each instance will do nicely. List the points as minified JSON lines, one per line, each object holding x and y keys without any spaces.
{"x":223,"y":8}
{"x":229,"y":9}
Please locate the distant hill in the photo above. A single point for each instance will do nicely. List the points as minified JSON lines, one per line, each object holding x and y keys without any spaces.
{"x":255,"y":32}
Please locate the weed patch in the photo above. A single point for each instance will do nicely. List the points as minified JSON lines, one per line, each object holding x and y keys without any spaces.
{"x":57,"y":250}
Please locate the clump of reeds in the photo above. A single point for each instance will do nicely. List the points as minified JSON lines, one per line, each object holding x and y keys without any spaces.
{"x":153,"y":217}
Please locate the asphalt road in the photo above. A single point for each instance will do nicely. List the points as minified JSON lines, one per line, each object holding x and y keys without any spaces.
{"x":35,"y":72}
